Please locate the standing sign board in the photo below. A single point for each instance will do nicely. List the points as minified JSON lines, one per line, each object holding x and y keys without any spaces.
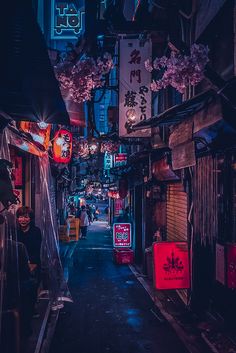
{"x":122,"y":235}
{"x":134,"y":87}
{"x":171,"y":265}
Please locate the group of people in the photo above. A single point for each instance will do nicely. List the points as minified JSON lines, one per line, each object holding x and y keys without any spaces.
{"x":23,"y":269}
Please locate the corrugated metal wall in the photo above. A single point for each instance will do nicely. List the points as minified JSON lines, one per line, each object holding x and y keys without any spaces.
{"x":205,"y":200}
{"x":177,"y":208}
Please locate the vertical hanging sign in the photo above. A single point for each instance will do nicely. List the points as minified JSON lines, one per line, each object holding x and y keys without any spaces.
{"x":108,"y":161}
{"x":134,"y":87}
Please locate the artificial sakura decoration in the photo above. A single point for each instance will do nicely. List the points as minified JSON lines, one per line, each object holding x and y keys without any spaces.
{"x":180,"y":70}
{"x":81,"y":77}
{"x":83,"y":148}
{"x":109,"y":147}
{"x":80,"y":148}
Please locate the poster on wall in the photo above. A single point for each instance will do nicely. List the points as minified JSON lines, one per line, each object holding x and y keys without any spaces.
{"x":134,"y":87}
{"x":122,"y":235}
{"x":171,"y":265}
{"x":67,"y":19}
{"x":231,"y":266}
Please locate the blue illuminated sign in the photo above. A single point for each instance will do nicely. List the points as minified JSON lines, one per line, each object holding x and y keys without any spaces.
{"x":67,"y":19}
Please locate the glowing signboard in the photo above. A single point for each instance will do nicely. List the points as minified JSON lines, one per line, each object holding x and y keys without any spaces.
{"x":67,"y":19}
{"x":171,"y":265}
{"x":120,"y":159}
{"x":122,"y":235}
{"x":62,"y":146}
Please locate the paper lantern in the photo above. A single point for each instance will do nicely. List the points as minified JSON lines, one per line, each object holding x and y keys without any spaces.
{"x":62,"y":146}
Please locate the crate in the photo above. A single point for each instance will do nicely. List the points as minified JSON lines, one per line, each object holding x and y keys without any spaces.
{"x":123,"y":256}
{"x":62,"y":231}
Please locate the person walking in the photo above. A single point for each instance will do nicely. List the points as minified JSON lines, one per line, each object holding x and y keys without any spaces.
{"x":84,"y":222}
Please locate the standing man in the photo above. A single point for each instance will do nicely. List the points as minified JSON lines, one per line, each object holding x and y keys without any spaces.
{"x":84,"y":222}
{"x":30,"y":236}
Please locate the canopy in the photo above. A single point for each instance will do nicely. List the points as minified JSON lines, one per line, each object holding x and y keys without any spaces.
{"x":28,"y":89}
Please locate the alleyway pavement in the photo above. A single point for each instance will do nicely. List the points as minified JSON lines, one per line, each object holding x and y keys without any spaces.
{"x":111,"y":312}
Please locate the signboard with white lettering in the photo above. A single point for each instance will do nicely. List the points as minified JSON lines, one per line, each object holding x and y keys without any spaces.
{"x":122,"y":235}
{"x":108,"y":160}
{"x":120,"y":159}
{"x":134,"y":87}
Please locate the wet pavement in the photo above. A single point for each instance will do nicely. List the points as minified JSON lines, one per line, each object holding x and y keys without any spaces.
{"x":111,"y":312}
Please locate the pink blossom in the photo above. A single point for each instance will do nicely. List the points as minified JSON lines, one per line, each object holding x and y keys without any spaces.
{"x":81,"y":78}
{"x":180,"y":70}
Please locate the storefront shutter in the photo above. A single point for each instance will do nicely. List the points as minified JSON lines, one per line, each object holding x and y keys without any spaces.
{"x":176,"y":213}
{"x":177,"y":220}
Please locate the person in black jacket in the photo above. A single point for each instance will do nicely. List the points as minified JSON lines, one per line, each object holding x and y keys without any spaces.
{"x":30,"y":236}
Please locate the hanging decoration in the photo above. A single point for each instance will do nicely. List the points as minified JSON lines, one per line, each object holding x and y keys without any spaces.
{"x":39,"y":132}
{"x":83,"y":148}
{"x":109,"y":147}
{"x":93,"y":146}
{"x":62,"y":146}
{"x":180,"y":70}
{"x":114,"y":194}
{"x":80,"y":78}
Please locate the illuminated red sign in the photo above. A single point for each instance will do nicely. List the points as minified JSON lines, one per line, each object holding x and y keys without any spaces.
{"x":171,"y":265}
{"x":120,"y":159}
{"x":231,"y":265}
{"x":122,"y":235}
{"x":62,"y":146}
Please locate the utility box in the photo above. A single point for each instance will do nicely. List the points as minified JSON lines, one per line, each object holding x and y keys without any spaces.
{"x":123,"y":256}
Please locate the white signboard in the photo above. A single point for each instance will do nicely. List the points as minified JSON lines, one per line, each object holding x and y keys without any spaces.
{"x":134,"y":87}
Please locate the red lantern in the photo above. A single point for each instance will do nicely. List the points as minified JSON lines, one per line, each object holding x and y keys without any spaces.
{"x":62,"y":146}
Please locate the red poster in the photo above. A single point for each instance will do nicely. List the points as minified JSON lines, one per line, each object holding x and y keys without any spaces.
{"x":171,"y":265}
{"x":118,"y":206}
{"x":122,"y":235}
{"x":231,"y":265}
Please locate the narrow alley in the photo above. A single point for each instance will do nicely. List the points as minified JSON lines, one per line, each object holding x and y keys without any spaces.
{"x":111,"y":312}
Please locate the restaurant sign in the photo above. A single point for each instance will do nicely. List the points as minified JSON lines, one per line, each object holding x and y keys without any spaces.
{"x":120,"y":159}
{"x":134,"y":87}
{"x":67,"y":19}
{"x":122,"y":235}
{"x":171,"y":265}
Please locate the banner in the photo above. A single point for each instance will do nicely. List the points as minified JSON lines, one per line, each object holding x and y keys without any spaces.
{"x":122,"y":235}
{"x":171,"y":265}
{"x":134,"y":87}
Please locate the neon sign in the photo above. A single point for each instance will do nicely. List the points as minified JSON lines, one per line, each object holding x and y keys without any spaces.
{"x":67,"y":19}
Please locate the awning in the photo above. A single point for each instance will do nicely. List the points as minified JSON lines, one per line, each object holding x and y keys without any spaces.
{"x":28,"y":87}
{"x":179,"y":112}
